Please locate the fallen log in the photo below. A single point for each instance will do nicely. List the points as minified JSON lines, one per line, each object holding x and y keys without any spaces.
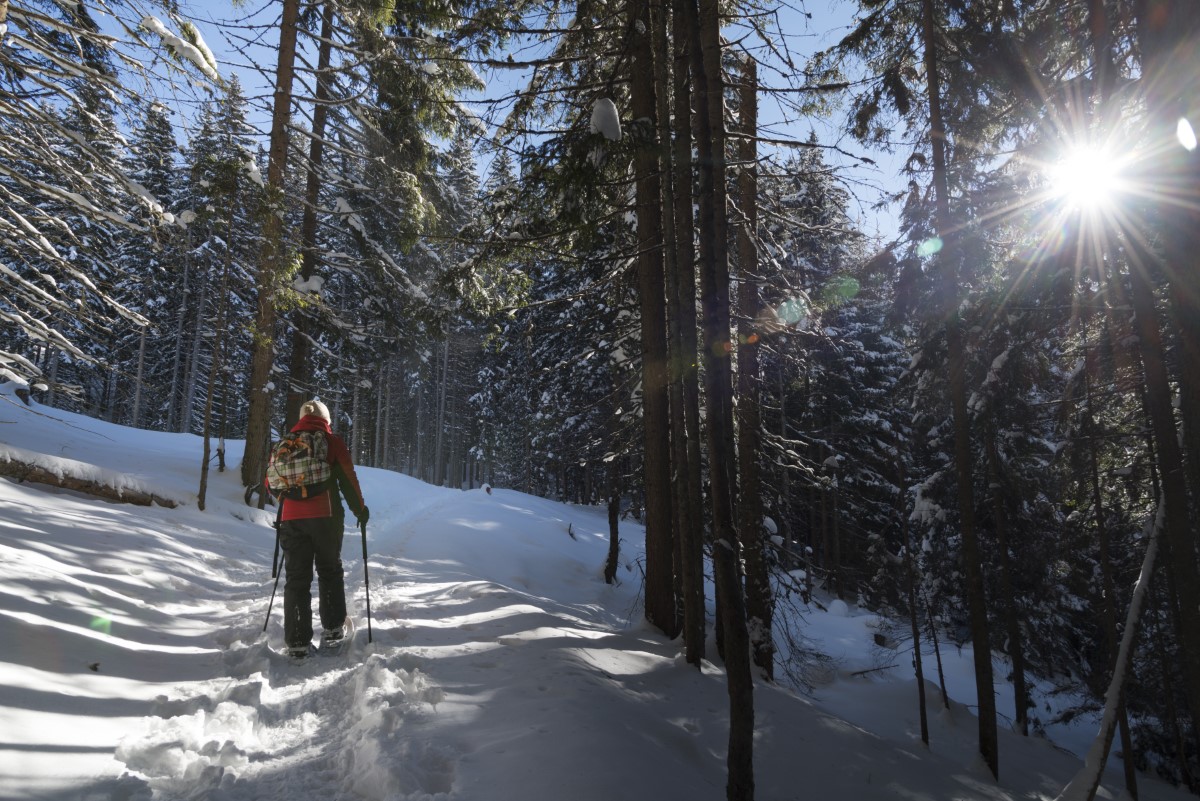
{"x":23,"y":471}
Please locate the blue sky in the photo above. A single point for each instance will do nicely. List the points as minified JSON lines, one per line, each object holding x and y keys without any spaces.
{"x":802,"y":32}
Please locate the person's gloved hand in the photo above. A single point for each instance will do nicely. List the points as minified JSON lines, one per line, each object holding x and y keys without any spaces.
{"x":363,"y":515}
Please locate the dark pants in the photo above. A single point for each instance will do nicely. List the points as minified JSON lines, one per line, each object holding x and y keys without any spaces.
{"x":305,"y":543}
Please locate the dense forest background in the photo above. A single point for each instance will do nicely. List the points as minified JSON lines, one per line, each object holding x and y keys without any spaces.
{"x":607,"y":284}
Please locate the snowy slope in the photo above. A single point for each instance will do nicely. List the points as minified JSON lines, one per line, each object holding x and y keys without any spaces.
{"x":502,"y":666}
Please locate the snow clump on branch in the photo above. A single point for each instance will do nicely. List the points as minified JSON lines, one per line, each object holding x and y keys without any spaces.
{"x":182,"y":47}
{"x":605,"y":119}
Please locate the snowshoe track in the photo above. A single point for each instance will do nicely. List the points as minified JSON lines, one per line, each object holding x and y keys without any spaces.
{"x":326,"y":728}
{"x":333,"y":726}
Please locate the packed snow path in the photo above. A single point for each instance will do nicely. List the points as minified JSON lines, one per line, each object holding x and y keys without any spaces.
{"x":330,"y":727}
{"x":378,"y":722}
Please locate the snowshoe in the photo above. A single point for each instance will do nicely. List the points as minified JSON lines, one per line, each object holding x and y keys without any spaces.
{"x":336,"y":641}
{"x":299,"y":654}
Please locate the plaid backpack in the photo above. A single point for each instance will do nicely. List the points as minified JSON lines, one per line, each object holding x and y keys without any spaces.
{"x":299,"y":466}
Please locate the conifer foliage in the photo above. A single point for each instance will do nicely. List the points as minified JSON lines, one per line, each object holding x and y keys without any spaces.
{"x":64,"y":195}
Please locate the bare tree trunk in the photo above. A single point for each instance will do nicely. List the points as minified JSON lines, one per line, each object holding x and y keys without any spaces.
{"x":380,"y":387}
{"x":1180,"y":539}
{"x":192,"y":371}
{"x":705,"y":35}
{"x":418,"y":436}
{"x":109,"y":402}
{"x":914,"y":612}
{"x":660,"y":590}
{"x":783,"y":482}
{"x":180,"y":320}
{"x":1016,"y":643}
{"x":1106,"y":76}
{"x":218,"y":352}
{"x":1185,"y":308}
{"x":300,"y":372}
{"x":760,"y":604}
{"x":457,"y":462}
{"x":683,"y":301}
{"x":439,"y":464}
{"x":1167,"y":33}
{"x":139,"y":380}
{"x":835,"y":521}
{"x":827,"y":560}
{"x":1166,"y":669}
{"x":386,"y":461}
{"x":272,"y":257}
{"x":989,"y":746}
{"x":1109,"y":587}
{"x":356,"y":431}
{"x":53,"y":358}
{"x":937,"y":653}
{"x":1083,"y":787}
{"x":681,"y":513}
{"x":812,"y":490}
{"x":1100,"y":28}
{"x":614,"y":520}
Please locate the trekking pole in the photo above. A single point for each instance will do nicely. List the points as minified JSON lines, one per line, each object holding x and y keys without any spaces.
{"x":274,"y":565}
{"x":366,"y":579}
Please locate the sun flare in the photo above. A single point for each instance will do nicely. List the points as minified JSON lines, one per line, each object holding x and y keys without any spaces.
{"x":1086,"y":177}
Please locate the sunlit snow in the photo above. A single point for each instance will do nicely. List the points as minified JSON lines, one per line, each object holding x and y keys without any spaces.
{"x":184,"y":48}
{"x":605,"y":119}
{"x":502,"y":666}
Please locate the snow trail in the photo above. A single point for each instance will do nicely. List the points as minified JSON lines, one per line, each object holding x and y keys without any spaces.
{"x":330,"y":727}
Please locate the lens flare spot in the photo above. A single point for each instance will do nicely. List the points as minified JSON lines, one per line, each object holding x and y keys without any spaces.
{"x":793,"y":311}
{"x":841,"y":289}
{"x":929,"y":246}
{"x":101,"y":624}
{"x":1186,"y":134}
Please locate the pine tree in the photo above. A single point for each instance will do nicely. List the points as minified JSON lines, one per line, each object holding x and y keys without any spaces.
{"x":153,"y":163}
{"x":833,"y":359}
{"x":274,"y":265}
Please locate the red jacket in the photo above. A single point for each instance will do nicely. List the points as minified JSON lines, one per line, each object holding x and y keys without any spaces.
{"x":344,"y":479}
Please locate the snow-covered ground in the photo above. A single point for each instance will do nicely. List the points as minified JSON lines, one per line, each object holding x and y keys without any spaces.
{"x":134,"y":663}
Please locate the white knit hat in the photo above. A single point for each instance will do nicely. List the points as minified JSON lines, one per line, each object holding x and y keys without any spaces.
{"x":315,"y":407}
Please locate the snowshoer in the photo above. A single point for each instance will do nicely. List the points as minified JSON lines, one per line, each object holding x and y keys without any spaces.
{"x":310,"y":533}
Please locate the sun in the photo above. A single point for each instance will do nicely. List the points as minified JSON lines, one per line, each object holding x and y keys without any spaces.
{"x":1087,"y":178}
